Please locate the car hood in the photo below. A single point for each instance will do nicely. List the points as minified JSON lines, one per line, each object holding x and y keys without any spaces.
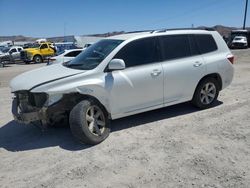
{"x":4,"y":54}
{"x":37,"y":77}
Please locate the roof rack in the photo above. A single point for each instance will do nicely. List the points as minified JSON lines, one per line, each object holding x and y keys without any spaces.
{"x":138,"y":31}
{"x":201,"y":28}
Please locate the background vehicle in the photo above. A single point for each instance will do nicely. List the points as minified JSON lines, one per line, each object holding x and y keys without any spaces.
{"x":239,"y":42}
{"x":10,"y":54}
{"x":62,"y":46}
{"x":125,"y":75}
{"x":235,"y":33}
{"x":38,"y":52}
{"x":66,"y":56}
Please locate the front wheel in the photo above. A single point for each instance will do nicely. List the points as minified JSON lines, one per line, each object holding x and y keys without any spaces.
{"x":37,"y":59}
{"x":206,"y":93}
{"x":89,"y":122}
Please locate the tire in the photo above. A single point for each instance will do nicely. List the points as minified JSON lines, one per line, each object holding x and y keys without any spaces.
{"x":84,"y":125}
{"x":26,"y":62}
{"x":37,"y":59}
{"x":206,"y":93}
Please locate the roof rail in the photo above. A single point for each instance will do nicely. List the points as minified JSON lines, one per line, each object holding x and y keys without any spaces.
{"x":201,"y":28}
{"x":138,"y":31}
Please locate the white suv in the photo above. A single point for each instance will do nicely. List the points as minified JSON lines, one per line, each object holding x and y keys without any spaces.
{"x":124,"y":75}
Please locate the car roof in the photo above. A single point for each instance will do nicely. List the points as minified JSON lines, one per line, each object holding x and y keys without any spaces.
{"x":138,"y":35}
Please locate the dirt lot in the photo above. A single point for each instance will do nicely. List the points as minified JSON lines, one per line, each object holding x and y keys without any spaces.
{"x":176,"y":146}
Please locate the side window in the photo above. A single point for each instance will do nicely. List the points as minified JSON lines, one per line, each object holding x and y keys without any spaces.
{"x":19,"y":49}
{"x":193,"y":46}
{"x":43,"y":46}
{"x":205,"y":43}
{"x":139,"y":52}
{"x":72,"y":54}
{"x":176,"y":46}
{"x":13,"y":50}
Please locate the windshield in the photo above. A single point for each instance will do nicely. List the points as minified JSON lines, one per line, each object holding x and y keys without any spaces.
{"x":35,"y":45}
{"x":93,"y":55}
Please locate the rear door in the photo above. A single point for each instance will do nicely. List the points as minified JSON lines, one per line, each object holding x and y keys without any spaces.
{"x":140,"y":85}
{"x":183,"y":67}
{"x":18,"y":55}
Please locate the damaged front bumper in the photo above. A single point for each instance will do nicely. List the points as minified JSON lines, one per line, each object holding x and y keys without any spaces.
{"x":28,"y":117}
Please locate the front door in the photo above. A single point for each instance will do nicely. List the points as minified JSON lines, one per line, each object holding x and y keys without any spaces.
{"x":140,"y":85}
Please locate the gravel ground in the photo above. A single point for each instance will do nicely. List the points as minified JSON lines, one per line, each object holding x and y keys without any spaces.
{"x":177,"y":146}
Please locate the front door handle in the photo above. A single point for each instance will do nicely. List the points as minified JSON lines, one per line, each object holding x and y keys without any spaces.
{"x":197,"y":64}
{"x":155,"y":72}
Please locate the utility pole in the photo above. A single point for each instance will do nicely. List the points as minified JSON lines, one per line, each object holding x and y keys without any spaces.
{"x":64,"y":31}
{"x":245,"y":17}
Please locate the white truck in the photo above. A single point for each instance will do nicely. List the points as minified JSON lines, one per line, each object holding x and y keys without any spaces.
{"x":10,"y":54}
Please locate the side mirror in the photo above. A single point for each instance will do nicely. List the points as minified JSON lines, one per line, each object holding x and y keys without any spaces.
{"x":116,"y":64}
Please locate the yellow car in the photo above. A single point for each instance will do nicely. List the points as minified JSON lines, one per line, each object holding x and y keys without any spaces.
{"x":38,"y":52}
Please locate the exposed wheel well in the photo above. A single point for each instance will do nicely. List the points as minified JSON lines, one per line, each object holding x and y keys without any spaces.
{"x":68,"y":102}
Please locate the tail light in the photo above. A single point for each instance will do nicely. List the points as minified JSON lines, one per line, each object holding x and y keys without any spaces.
{"x":231,"y":58}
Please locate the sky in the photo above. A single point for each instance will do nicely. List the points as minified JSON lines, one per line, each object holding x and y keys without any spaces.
{"x":48,"y":18}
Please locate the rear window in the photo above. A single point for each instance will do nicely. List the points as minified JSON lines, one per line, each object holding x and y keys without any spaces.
{"x":205,"y":43}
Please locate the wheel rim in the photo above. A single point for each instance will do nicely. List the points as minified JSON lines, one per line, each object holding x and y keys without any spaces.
{"x":37,"y":60}
{"x":95,"y":120}
{"x":208,"y":93}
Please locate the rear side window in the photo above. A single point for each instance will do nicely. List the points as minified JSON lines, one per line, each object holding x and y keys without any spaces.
{"x":73,"y":54}
{"x":43,"y":46}
{"x":175,"y":46}
{"x":205,"y":43}
{"x":139,"y":52}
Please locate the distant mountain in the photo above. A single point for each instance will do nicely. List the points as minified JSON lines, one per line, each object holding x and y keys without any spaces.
{"x":69,"y":38}
{"x":17,"y":38}
{"x":223,"y":30}
{"x":109,"y":34}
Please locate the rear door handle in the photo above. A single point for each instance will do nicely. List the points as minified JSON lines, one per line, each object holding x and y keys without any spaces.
{"x":197,"y":64}
{"x":155,"y":72}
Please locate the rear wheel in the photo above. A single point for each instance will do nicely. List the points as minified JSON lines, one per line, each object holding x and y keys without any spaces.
{"x":89,"y":122}
{"x":37,"y":59}
{"x":206,"y":93}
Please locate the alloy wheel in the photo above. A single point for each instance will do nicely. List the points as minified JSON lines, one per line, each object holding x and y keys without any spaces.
{"x":208,"y":93}
{"x":95,"y":120}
